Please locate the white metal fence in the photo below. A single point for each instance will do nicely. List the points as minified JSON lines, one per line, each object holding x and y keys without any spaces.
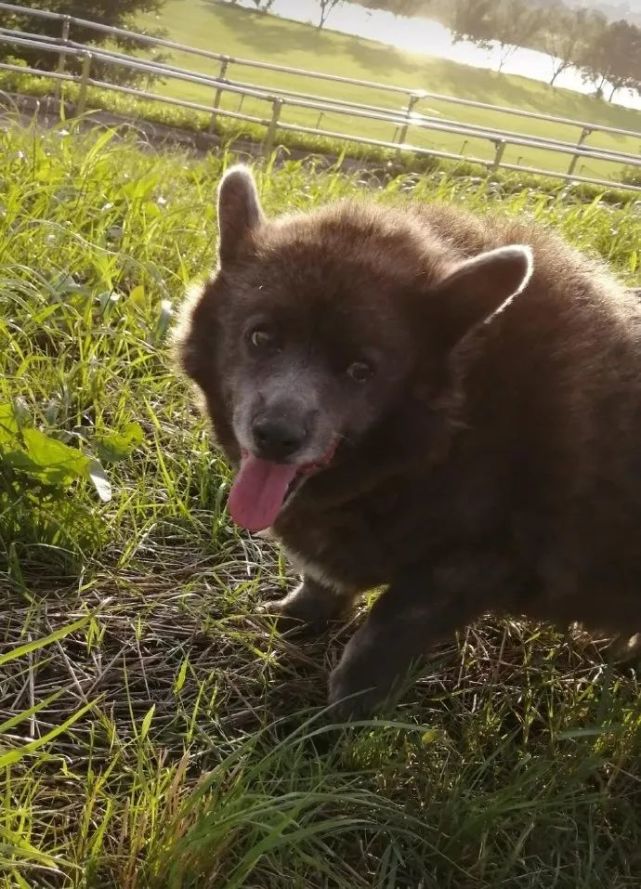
{"x":403,"y":121}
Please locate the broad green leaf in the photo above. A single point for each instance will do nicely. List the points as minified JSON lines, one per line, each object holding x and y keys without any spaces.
{"x":115,"y":446}
{"x":53,"y":460}
{"x":20,"y":459}
{"x":137,"y":295}
{"x":430,"y":736}
{"x":8,"y":425}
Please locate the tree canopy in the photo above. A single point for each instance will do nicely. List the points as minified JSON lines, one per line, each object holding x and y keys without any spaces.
{"x":115,"y":13}
{"x":606,"y":52}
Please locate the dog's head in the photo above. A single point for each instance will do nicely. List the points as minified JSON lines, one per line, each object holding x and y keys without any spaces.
{"x":317,"y":325}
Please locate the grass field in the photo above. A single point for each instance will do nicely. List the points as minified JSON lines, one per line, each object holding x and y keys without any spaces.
{"x":212,"y":25}
{"x":247,"y":34}
{"x":154,"y":731}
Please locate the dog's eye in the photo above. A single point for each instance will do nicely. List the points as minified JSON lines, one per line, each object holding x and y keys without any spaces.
{"x":360,"y":371}
{"x":260,"y":338}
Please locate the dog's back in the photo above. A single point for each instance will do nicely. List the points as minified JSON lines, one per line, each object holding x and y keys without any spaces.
{"x":557,"y":386}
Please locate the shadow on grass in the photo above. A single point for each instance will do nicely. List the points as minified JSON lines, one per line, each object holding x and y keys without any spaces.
{"x":265,"y":35}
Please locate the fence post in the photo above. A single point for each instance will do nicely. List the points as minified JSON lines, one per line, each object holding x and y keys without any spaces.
{"x":402,"y":131}
{"x":500,"y":145}
{"x":270,"y":138}
{"x":62,"y":58}
{"x":585,"y":132}
{"x":218,"y":94}
{"x":81,"y":104}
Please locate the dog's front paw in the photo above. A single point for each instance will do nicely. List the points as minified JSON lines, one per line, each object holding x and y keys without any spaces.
{"x":309,"y":606}
{"x":273,"y":606}
{"x":288,"y":619}
{"x":353,"y":696}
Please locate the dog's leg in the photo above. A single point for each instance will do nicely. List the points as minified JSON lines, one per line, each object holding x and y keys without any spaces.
{"x":412,"y":615}
{"x":312,"y":604}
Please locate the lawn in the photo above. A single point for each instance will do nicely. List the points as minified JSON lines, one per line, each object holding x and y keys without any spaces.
{"x":247,"y":34}
{"x":155,"y":731}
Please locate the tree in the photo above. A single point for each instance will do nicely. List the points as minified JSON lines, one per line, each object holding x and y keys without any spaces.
{"x":407,"y":7}
{"x":326,"y":6}
{"x":509,"y":23}
{"x":116,"y":13}
{"x":567,"y":35}
{"x":515,"y":23}
{"x":473,"y":21}
{"x":398,"y":7}
{"x":614,"y":56}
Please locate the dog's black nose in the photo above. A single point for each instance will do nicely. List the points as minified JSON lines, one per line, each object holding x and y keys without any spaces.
{"x":278,"y":439}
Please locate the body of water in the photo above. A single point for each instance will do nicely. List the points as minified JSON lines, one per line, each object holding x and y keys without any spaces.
{"x":431,"y":38}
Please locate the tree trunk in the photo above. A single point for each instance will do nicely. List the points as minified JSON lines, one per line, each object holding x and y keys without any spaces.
{"x":615,"y":89}
{"x":558,"y":71}
{"x":506,"y":52}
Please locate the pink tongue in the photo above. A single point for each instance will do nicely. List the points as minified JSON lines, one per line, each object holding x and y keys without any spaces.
{"x":259,"y":491}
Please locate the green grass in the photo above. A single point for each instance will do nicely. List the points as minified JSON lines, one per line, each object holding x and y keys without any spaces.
{"x":154,"y":731}
{"x":247,"y":34}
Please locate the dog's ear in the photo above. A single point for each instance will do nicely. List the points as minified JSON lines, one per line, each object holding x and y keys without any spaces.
{"x":479,"y":288}
{"x":239,"y":211}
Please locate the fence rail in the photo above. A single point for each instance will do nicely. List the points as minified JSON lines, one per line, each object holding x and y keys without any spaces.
{"x":275,"y":100}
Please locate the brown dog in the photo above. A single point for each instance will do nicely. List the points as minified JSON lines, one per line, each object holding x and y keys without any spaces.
{"x":422,"y":400}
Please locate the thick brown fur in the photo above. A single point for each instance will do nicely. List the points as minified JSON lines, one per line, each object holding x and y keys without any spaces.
{"x":496,"y":459}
